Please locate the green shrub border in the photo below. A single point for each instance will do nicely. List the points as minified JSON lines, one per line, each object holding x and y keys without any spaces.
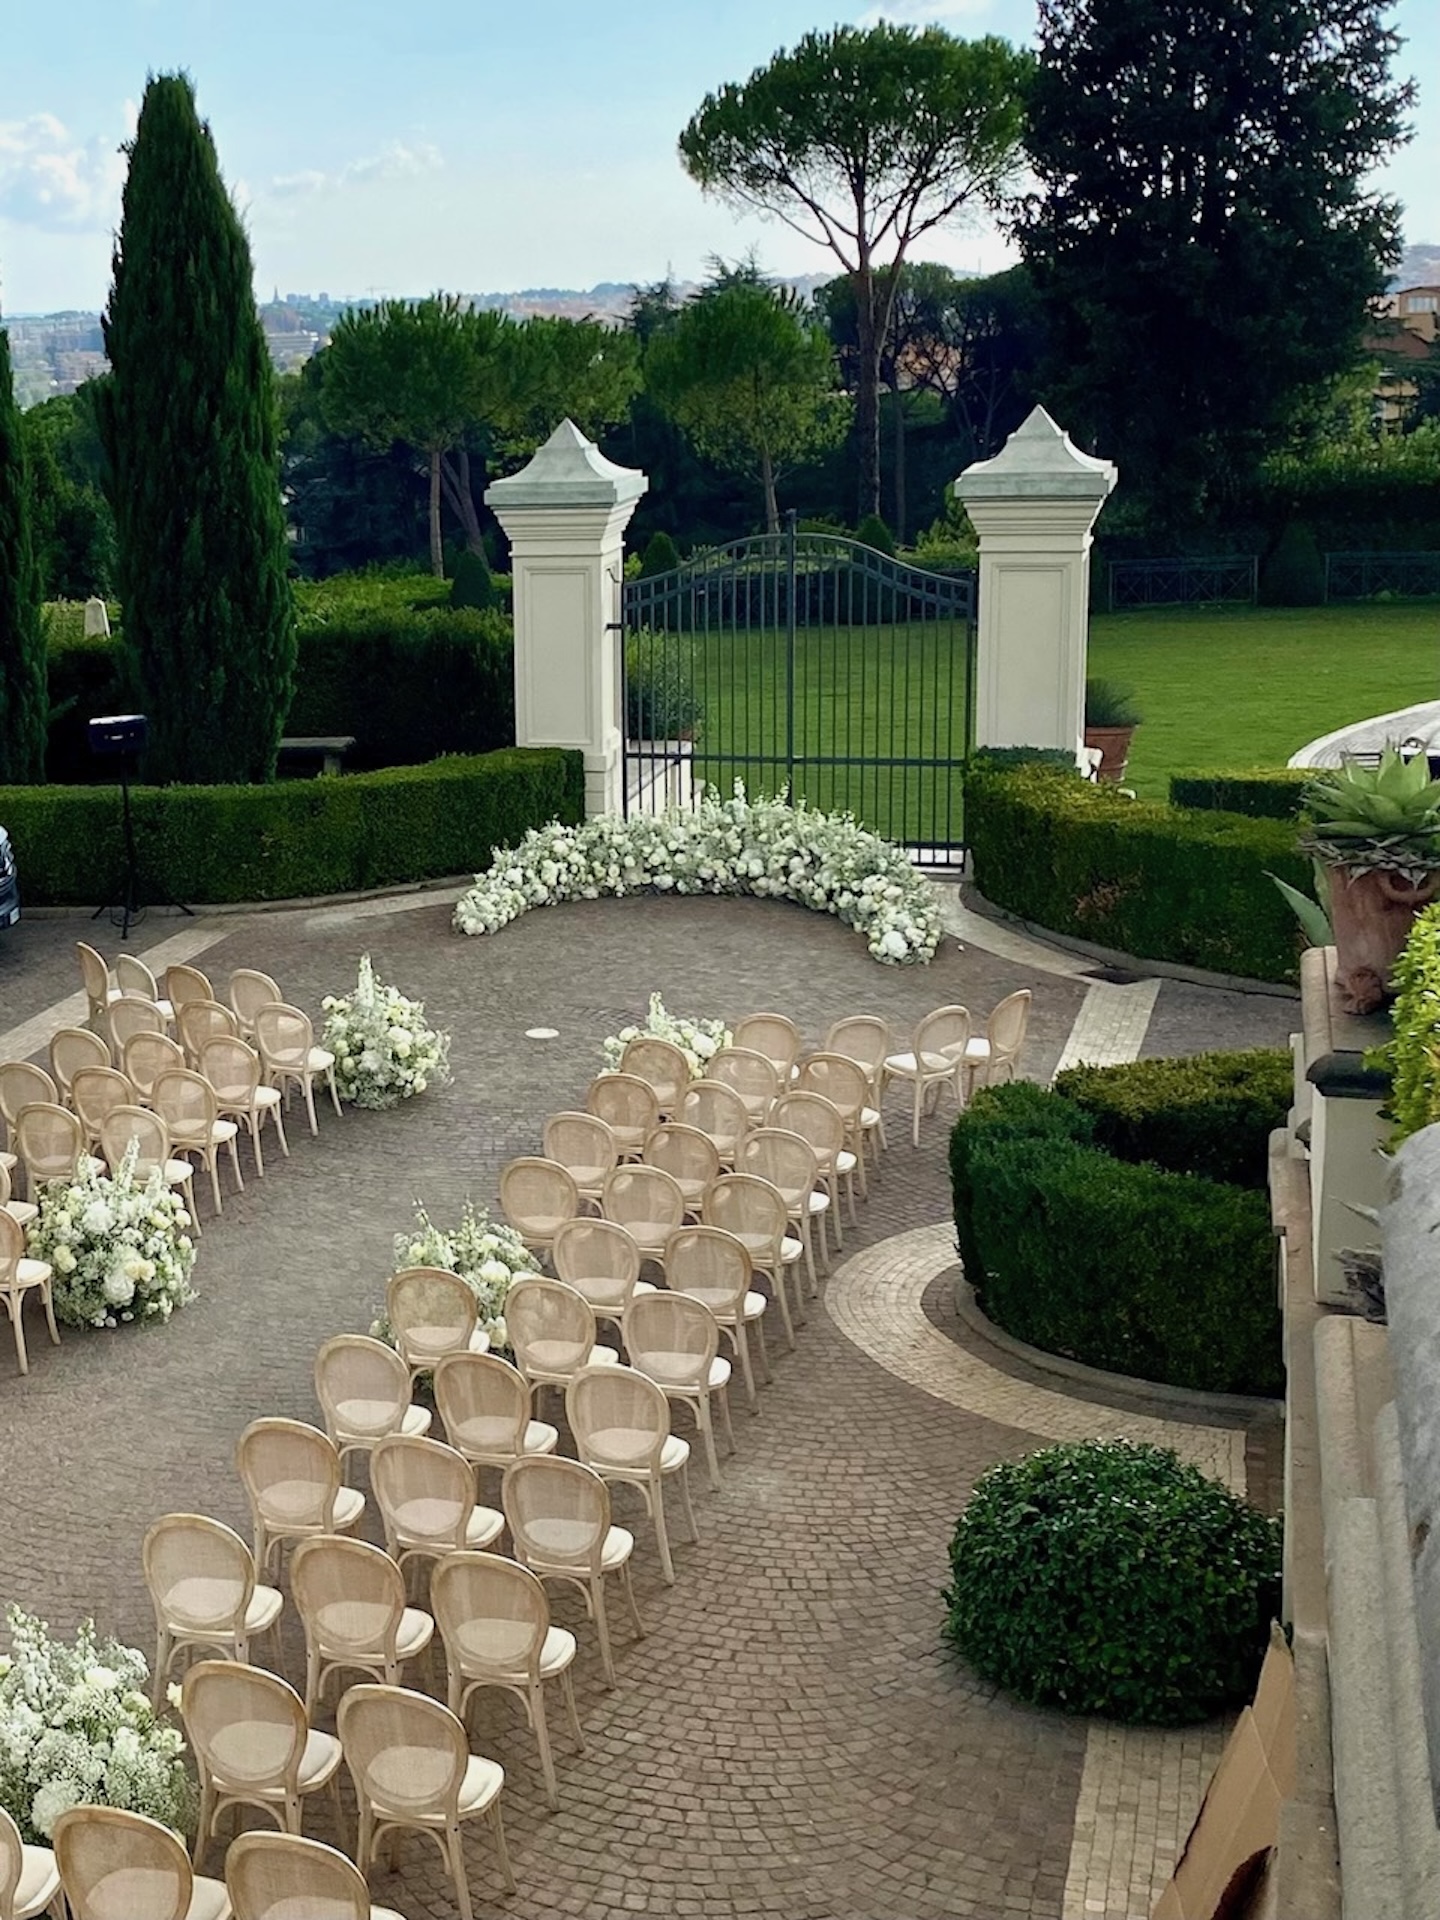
{"x":1161,"y":883}
{"x":1269,"y":793}
{"x":292,"y":839}
{"x":1205,"y":1113}
{"x":1131,"y":1268}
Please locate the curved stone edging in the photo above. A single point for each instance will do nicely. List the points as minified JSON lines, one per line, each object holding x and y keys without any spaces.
{"x":1189,"y":1402}
{"x":876,"y":1300}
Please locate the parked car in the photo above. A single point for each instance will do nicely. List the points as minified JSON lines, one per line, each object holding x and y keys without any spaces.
{"x":9,"y":883}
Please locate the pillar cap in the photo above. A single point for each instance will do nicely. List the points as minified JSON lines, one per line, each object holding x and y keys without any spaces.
{"x":1038,"y":462}
{"x":568,"y":471}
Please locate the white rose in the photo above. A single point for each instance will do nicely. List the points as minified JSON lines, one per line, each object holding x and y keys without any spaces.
{"x":64,"y":1259}
{"x":119,"y":1288}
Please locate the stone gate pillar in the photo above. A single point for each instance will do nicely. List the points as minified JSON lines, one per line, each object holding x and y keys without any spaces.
{"x":1034,"y":506}
{"x":565,"y":515}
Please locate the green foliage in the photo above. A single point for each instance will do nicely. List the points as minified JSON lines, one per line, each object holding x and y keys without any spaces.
{"x":71,"y":522}
{"x":1293,"y":575}
{"x":873,"y":532}
{"x":1160,"y":1275}
{"x":1108,"y":704}
{"x":1150,"y":880}
{"x":1385,"y":816}
{"x":472,"y":585}
{"x":1105,"y":1577}
{"x":661,"y":701}
{"x":1269,"y":793}
{"x":750,"y":382}
{"x":1207,"y":1113}
{"x":1216,"y":168}
{"x":1413,"y":1056}
{"x":661,"y":556}
{"x":407,"y":682}
{"x":23,"y":694}
{"x":292,"y":838}
{"x":863,"y":139}
{"x":1003,"y":759}
{"x":408,"y":686}
{"x":188,"y":419}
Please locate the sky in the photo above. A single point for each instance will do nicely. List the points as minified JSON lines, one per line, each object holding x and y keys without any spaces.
{"x":470,"y":145}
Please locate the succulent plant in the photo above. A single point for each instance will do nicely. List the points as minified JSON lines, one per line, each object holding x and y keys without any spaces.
{"x":1384,"y":816}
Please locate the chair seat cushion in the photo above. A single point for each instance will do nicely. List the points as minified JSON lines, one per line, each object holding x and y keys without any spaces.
{"x":557,"y":1652}
{"x":264,"y":1096}
{"x":483,"y":1526}
{"x":349,"y":1505}
{"x":319,"y":1760}
{"x":755,"y":1304}
{"x":541,"y":1437}
{"x":791,"y":1249}
{"x":177,"y":1172}
{"x":32,"y":1273}
{"x":674,"y":1454}
{"x":845,"y":1161}
{"x":483,"y":1780}
{"x":819,"y":1201}
{"x":904,"y":1064}
{"x":869,"y":1117}
{"x":21,"y":1210}
{"x":978,"y":1048}
{"x":413,"y":1634}
{"x":719,"y":1373}
{"x":39,"y":1880}
{"x":319,"y":1060}
{"x":263,"y":1610}
{"x":223,"y":1132}
{"x":208,"y":1901}
{"x":618,"y":1547}
{"x":8,"y":1162}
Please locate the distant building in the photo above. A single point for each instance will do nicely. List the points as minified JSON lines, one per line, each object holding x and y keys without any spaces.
{"x":1401,"y":339}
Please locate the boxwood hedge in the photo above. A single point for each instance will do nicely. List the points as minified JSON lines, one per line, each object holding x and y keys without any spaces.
{"x":1272,"y":793}
{"x":1210,"y":1113}
{"x":1163,"y":883}
{"x":1131,"y":1267}
{"x":294,"y":837}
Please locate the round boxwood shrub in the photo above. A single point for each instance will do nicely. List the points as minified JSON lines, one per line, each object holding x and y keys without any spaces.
{"x":1111,"y":1578}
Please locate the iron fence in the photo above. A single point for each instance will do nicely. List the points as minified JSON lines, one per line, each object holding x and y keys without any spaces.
{"x":1366,"y":576}
{"x":1231,"y":580}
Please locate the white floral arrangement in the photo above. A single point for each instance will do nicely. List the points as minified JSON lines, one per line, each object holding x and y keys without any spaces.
{"x":487,"y":1255}
{"x":698,"y":1040}
{"x":77,"y":1727}
{"x":118,"y":1248}
{"x":384,"y":1050}
{"x":772,"y":848}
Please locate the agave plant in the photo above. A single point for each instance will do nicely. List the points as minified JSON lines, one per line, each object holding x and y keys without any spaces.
{"x":1386,"y":816}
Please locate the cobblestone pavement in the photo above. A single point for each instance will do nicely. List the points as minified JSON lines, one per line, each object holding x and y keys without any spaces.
{"x":790,"y":1738}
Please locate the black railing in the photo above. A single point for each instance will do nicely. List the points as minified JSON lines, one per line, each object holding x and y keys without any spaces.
{"x":1368,"y":576}
{"x":1184,"y":583}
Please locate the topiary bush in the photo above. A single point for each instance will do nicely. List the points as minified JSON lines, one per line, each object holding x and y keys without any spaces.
{"x":1293,"y":573}
{"x":1160,"y":882}
{"x":1209,"y":1113}
{"x":471,"y":585}
{"x":1110,"y":1578}
{"x":661,"y":702}
{"x":1160,"y":1275}
{"x":873,"y":532}
{"x":661,"y":556}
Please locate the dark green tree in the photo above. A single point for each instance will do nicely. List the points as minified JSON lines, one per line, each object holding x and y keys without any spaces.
{"x":188,"y":420}
{"x":1204,"y":234}
{"x":863,"y":139}
{"x":71,"y":521}
{"x":23,"y":702}
{"x":749,"y":380}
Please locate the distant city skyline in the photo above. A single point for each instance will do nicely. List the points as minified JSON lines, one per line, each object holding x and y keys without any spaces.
{"x":378,"y":152}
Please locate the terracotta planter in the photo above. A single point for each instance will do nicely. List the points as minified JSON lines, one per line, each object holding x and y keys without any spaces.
{"x":1114,"y":745}
{"x":1372,"y":912}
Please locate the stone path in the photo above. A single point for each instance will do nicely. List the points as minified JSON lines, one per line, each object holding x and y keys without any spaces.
{"x":791,"y":1737}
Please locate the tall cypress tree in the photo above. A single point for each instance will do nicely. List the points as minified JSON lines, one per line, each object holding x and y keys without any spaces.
{"x":188,"y":419}
{"x":23,"y":702}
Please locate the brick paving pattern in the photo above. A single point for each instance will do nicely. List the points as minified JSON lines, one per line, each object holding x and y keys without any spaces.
{"x":790,"y":1738}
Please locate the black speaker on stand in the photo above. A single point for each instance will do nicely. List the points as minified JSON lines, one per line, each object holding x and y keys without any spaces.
{"x":123,"y":737}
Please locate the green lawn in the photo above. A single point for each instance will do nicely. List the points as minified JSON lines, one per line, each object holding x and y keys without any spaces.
{"x":1243,"y":687}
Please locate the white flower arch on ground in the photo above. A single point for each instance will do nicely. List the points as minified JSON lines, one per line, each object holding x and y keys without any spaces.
{"x":767,"y":847}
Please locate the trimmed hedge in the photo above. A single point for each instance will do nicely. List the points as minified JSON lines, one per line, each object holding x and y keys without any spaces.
{"x":1211,"y":1113}
{"x":1159,"y":882}
{"x":1164,"y":1276}
{"x":294,"y":837}
{"x":1270,"y":793}
{"x":1104,"y":1577}
{"x":408,"y":682}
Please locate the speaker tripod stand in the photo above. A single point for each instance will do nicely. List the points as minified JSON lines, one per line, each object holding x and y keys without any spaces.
{"x":130,"y":909}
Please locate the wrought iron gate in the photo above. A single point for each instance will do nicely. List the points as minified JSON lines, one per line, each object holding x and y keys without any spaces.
{"x":810,"y":662}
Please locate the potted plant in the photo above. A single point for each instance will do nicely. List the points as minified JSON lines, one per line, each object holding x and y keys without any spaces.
{"x":1376,"y":833}
{"x":1111,"y":717}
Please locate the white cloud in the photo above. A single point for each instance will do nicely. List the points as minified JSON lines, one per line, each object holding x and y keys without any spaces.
{"x":51,"y":180}
{"x":923,"y":13}
{"x":395,"y":161}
